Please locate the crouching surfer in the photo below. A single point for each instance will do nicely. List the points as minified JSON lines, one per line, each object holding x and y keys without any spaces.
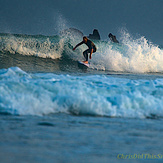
{"x":91,"y":48}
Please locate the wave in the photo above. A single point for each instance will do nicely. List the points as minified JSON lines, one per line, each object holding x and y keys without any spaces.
{"x":96,"y":95}
{"x":131,"y":55}
{"x":40,"y":46}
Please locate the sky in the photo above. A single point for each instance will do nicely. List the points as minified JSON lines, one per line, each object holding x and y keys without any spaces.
{"x":48,"y":17}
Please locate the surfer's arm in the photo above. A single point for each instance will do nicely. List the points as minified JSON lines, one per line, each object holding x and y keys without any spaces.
{"x":78,"y":45}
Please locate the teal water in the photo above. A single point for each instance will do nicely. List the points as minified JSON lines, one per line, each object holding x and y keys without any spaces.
{"x":69,"y":138}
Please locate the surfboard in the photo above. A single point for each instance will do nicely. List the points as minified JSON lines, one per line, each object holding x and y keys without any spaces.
{"x":84,"y":64}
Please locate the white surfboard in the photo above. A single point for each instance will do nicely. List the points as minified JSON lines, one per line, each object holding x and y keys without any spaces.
{"x":84,"y":64}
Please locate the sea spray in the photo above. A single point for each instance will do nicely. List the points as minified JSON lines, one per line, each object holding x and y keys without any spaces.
{"x":131,"y":55}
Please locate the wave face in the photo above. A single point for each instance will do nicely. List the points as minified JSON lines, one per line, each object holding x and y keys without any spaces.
{"x":132,"y":55}
{"x":97,"y":95}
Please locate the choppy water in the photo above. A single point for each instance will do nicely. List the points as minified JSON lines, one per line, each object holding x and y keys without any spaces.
{"x":53,"y":110}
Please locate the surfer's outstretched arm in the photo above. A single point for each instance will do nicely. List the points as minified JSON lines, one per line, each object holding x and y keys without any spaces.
{"x":78,"y":45}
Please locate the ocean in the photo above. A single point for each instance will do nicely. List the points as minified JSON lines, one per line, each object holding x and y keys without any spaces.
{"x":54,"y":110}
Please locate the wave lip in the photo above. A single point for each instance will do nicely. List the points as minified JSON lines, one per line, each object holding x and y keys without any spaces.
{"x":40,"y":46}
{"x":95,"y":95}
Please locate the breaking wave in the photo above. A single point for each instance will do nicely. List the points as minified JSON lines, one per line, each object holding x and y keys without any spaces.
{"x":96,"y":95}
{"x":131,"y":55}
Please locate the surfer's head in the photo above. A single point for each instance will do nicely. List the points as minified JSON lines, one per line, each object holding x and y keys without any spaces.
{"x":85,"y":39}
{"x":110,"y":35}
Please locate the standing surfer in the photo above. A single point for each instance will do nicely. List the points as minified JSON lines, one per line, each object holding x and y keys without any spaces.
{"x":91,"y":46}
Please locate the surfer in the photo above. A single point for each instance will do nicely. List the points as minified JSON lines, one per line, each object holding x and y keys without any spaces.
{"x":91,"y":46}
{"x":95,"y":35}
{"x":113,"y":38}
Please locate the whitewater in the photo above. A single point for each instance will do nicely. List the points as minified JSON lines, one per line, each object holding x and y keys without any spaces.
{"x":96,"y":95}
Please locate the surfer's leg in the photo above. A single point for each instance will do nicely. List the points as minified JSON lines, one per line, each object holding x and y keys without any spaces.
{"x":94,"y":49}
{"x":85,"y":54}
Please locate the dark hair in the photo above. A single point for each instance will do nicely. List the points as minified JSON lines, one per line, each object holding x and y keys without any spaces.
{"x":85,"y":37}
{"x":110,"y":35}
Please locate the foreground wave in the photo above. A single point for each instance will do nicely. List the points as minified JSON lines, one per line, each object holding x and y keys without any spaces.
{"x":96,"y":95}
{"x":132,"y":55}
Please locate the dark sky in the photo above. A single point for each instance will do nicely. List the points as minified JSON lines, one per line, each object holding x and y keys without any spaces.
{"x":144,"y":17}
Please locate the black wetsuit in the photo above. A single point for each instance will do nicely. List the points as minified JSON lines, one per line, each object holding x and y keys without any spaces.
{"x":90,"y":45}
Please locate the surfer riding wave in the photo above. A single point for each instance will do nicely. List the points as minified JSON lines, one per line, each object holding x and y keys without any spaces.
{"x":91,"y":48}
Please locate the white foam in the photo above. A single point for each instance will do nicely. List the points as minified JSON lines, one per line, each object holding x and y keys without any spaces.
{"x":39,"y":94}
{"x":132,"y":55}
{"x":31,"y":46}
